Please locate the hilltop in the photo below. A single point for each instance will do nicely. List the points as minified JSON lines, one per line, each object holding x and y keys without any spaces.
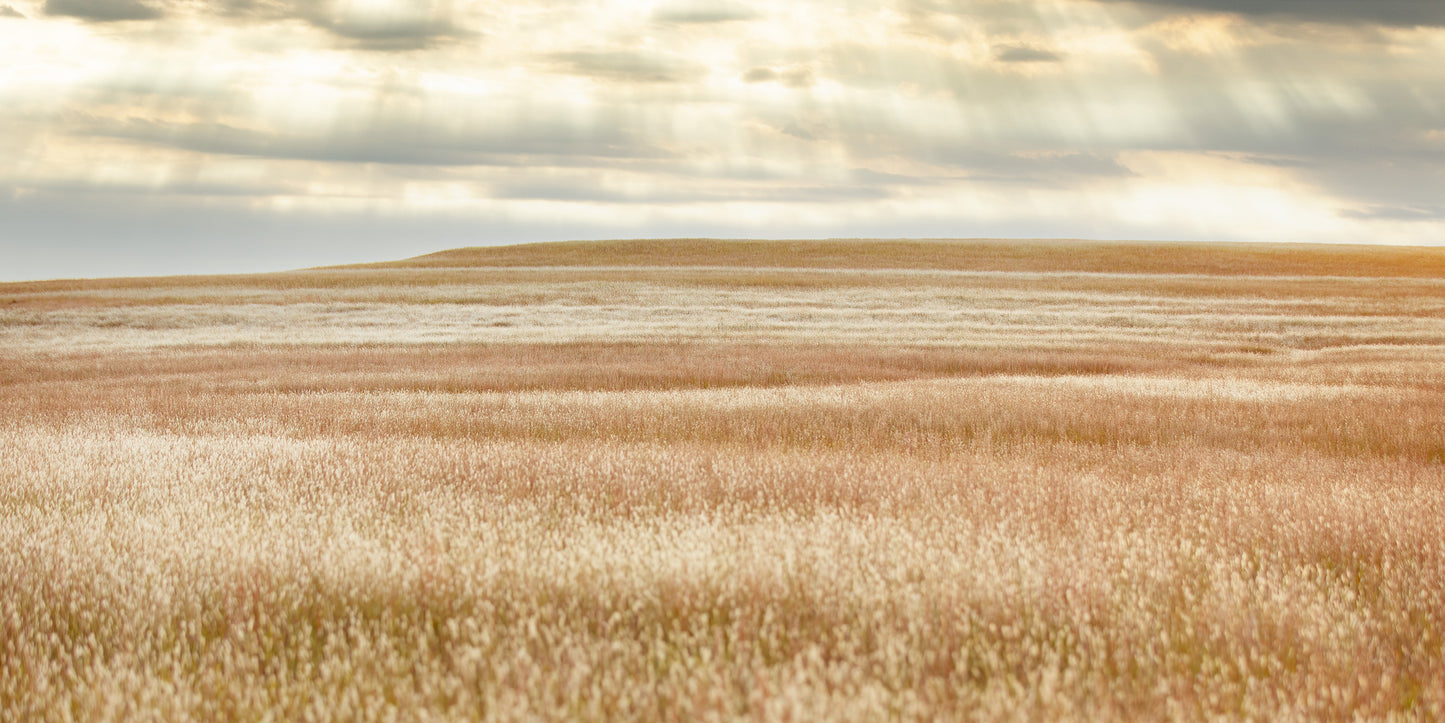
{"x":1033,"y":255}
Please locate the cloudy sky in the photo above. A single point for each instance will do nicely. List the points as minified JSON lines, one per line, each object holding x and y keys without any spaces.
{"x":166,"y":136}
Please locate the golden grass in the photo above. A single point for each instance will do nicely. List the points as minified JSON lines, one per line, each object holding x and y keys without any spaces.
{"x":1177,"y":513}
{"x":1011,"y":255}
{"x":1119,"y":315}
{"x":488,"y":275}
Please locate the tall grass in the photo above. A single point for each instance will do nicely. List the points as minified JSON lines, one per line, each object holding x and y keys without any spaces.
{"x":1158,"y":527}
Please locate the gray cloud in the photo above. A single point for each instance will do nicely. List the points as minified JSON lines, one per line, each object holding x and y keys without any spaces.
{"x":408,"y":34}
{"x":870,"y":177}
{"x":130,"y":234}
{"x":1396,"y":184}
{"x":1398,"y":213}
{"x":1304,"y":101}
{"x":8,"y":12}
{"x":1043,"y":170}
{"x":102,"y":10}
{"x":43,"y":236}
{"x":1062,"y":166}
{"x":458,"y":141}
{"x":689,"y":190}
{"x":1285,"y":99}
{"x":626,"y":66}
{"x":423,"y":24}
{"x":793,"y":77}
{"x":1025,"y":54}
{"x":714,"y":11}
{"x":948,"y":20}
{"x":1404,"y":13}
{"x":1024,"y":154}
{"x":1359,"y":125}
{"x":172,"y":188}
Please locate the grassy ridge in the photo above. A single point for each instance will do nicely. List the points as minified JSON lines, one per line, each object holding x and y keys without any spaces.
{"x":1048,"y":255}
{"x":724,"y":263}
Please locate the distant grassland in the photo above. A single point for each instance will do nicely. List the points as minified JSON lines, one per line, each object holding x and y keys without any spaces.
{"x":972,"y":254}
{"x":732,"y":480}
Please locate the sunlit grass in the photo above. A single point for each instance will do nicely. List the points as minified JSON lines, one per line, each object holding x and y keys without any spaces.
{"x":1203,"y":518}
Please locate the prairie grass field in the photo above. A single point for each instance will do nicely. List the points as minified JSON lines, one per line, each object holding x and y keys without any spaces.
{"x":732,"y":480}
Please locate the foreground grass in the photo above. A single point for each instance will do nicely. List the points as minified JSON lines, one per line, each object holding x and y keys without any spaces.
{"x":1172,"y":524}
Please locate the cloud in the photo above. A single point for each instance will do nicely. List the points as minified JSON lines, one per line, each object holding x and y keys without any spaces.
{"x":171,"y":188}
{"x":688,"y":190}
{"x":715,"y":11}
{"x":1025,"y":54}
{"x":951,"y":21}
{"x":368,"y":25}
{"x":403,"y":34}
{"x":793,"y":77}
{"x":1398,"y":184}
{"x":8,"y":12}
{"x":42,"y":236}
{"x":1402,"y":13}
{"x":626,"y":66}
{"x":398,"y":26}
{"x":102,"y":11}
{"x":1398,"y":213}
{"x":433,"y":140}
{"x":1041,"y":169}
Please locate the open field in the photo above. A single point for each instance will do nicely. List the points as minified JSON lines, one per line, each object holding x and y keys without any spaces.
{"x":829,"y":481}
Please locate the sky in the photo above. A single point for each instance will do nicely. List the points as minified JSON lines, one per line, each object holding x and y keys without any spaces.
{"x":183,"y":136}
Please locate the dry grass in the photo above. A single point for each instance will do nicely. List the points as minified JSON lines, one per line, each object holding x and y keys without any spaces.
{"x":1009,"y":255}
{"x":1028,"y":496}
